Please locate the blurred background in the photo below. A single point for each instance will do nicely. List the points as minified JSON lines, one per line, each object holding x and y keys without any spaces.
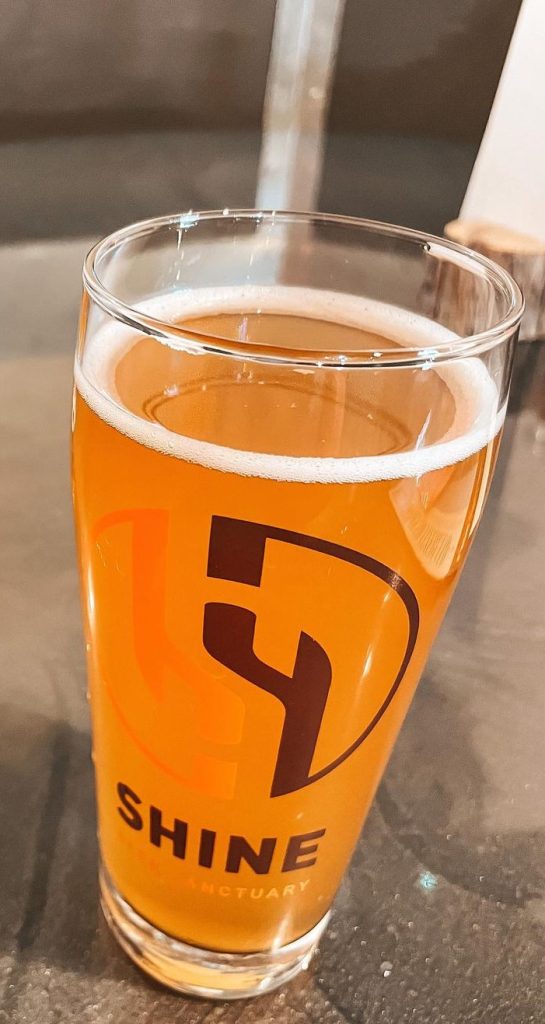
{"x":115,"y":110}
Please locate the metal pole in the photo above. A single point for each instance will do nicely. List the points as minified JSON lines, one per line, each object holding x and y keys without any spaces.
{"x":304,"y":47}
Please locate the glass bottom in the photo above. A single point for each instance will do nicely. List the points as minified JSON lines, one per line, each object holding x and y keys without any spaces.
{"x":202,"y":972}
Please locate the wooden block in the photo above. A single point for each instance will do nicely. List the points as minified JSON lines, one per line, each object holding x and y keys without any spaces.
{"x":522,"y":255}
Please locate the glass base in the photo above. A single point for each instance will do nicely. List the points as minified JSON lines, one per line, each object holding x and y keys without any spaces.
{"x":203,"y":972}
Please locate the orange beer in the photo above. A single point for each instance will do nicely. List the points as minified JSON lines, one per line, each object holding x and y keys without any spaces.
{"x":267,"y":550}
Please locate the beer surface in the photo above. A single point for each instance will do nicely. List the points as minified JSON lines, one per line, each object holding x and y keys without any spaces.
{"x":367,"y":485}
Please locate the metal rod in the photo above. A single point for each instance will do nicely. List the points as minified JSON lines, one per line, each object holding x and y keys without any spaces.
{"x":303,"y":52}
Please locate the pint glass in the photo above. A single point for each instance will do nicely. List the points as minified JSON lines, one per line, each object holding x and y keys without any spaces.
{"x":285,"y":427}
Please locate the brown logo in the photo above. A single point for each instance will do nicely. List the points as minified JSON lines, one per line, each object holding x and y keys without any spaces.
{"x":236,"y":553}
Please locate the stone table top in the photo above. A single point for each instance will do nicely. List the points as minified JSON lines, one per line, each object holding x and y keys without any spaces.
{"x":441,"y":919}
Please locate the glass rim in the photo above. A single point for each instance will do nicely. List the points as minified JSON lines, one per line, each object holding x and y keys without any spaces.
{"x":465,"y":345}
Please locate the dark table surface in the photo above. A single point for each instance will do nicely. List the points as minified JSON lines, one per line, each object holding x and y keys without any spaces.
{"x":442,"y":915}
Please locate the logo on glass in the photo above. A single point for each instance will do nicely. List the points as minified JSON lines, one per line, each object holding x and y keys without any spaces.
{"x":237,"y":553}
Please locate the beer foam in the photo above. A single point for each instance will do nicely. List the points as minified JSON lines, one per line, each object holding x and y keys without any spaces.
{"x":476,"y":420}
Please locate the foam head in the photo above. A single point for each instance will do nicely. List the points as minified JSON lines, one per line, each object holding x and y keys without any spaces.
{"x":476,"y":419}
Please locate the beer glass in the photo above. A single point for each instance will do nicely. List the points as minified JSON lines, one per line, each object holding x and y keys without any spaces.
{"x":285,"y":427}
